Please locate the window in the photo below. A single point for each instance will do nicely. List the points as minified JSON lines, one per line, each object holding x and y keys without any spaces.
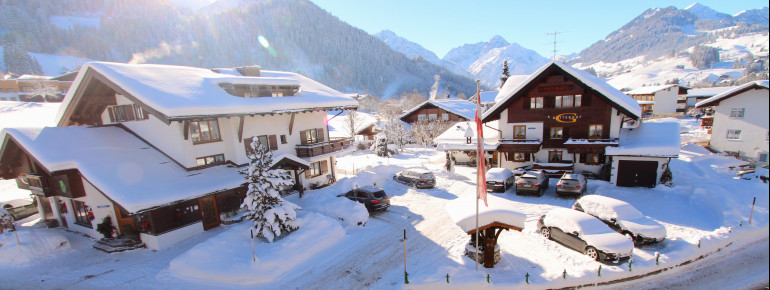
{"x":595,"y":131}
{"x":733,"y":134}
{"x":737,"y":112}
{"x":422,"y":117}
{"x":82,"y":213}
{"x":564,"y":101}
{"x":578,"y":100}
{"x":445,"y":117}
{"x":433,"y":117}
{"x":204,"y":131}
{"x":762,"y":157}
{"x":315,"y":169}
{"x":519,"y":157}
{"x":262,"y":140}
{"x":519,"y":132}
{"x":277,"y":94}
{"x":124,"y":113}
{"x":554,"y":156}
{"x":556,"y":132}
{"x":283,"y":139}
{"x":536,"y":103}
{"x":592,"y":159}
{"x":210,"y":160}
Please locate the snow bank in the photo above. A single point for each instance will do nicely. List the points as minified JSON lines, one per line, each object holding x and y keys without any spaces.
{"x":35,"y":244}
{"x":227,"y":258}
{"x":349,"y":212}
{"x":463,"y":212}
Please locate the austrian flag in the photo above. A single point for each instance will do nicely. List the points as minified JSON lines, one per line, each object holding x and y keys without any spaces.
{"x":481,"y":179}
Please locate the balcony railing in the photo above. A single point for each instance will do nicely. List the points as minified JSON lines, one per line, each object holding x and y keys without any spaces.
{"x":321,"y":148}
{"x":520,"y":141}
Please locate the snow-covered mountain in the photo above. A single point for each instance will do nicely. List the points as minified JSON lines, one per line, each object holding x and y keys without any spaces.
{"x":754,"y":16}
{"x":704,"y":12}
{"x":484,"y":60}
{"x":408,"y":48}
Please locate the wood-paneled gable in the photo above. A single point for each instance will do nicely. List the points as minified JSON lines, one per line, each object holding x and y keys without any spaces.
{"x":428,"y":109}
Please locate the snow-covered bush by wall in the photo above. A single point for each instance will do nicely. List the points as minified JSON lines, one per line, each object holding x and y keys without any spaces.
{"x":6,"y":220}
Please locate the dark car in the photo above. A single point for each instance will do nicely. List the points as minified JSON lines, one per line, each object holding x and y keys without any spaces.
{"x":586,"y":234}
{"x":374,"y":198}
{"x":534,"y":182}
{"x":416,"y":177}
{"x":499,"y":179}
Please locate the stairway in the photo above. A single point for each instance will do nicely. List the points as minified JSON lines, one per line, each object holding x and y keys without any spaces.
{"x":117,"y":245}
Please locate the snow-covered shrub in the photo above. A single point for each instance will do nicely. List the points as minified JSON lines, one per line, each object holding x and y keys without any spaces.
{"x":667,"y":178}
{"x":272,"y":215}
{"x":105,"y":227}
{"x":6,"y":220}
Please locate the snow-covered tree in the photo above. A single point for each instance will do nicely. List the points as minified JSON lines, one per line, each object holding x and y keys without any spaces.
{"x":352,"y":123}
{"x":271,"y":214}
{"x":397,"y":133}
{"x":506,"y":73}
{"x":44,"y":88}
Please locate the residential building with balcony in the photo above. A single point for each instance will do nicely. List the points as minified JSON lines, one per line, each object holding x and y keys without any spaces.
{"x":661,"y":101}
{"x":158,"y":147}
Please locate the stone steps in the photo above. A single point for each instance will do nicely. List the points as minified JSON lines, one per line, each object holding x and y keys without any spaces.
{"x":117,"y":245}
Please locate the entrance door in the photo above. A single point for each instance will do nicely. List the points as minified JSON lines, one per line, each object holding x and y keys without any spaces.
{"x":209,"y":213}
{"x":637,"y":173}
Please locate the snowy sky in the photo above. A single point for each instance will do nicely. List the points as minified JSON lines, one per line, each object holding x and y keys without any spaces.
{"x":441,"y":26}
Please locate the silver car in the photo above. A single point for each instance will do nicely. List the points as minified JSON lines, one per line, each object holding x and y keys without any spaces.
{"x":571,"y":184}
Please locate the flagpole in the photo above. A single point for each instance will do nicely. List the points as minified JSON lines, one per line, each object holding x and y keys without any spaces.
{"x":478,"y":172}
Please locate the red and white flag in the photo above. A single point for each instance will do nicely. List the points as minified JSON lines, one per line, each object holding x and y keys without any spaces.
{"x":481,"y":179}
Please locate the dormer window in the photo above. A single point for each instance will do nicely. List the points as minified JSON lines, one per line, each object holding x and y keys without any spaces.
{"x":125,"y":113}
{"x":259,"y":91}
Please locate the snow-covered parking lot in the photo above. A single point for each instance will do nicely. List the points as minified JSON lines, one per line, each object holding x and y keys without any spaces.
{"x":706,"y":206}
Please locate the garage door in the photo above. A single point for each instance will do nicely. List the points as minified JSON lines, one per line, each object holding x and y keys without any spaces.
{"x":637,"y":173}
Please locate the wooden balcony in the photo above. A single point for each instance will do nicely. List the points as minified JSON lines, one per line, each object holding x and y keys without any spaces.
{"x":554,"y":169}
{"x":35,"y":183}
{"x":520,"y":145}
{"x":321,"y":148}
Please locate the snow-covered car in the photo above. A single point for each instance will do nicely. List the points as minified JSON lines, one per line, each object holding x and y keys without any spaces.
{"x":374,"y":198}
{"x":623,"y":218}
{"x":416,"y":177}
{"x":535,"y":182}
{"x":584,"y":233}
{"x":519,"y":171}
{"x":571,"y":184}
{"x":499,"y":179}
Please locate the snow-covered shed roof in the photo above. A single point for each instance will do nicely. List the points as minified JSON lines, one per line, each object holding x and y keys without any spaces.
{"x":621,"y":101}
{"x":462,"y":108}
{"x":180,"y":92}
{"x":649,"y":139}
{"x":648,"y":90}
{"x":735,"y":91}
{"x":127,"y":170}
{"x":462,"y":211}
{"x":338,"y":126}
{"x":708,"y":92}
{"x":454,"y":138}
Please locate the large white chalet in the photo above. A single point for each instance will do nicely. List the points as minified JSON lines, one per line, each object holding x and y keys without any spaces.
{"x":158,"y":147}
{"x":741,"y":118}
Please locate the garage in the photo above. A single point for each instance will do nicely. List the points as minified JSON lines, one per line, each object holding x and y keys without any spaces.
{"x":636,"y":173}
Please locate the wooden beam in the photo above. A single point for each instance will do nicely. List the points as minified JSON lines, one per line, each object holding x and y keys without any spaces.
{"x":186,"y":129}
{"x":291,"y":123}
{"x":240,"y":128}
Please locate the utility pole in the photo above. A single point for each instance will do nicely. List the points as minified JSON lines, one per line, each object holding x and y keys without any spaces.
{"x":554,"y":41}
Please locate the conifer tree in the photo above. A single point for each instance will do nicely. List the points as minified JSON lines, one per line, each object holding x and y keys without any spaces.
{"x":271,"y":214}
{"x":506,"y":73}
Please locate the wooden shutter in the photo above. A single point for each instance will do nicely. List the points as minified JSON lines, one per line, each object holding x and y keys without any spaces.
{"x":247,"y":144}
{"x":307,"y":171}
{"x":602,"y":158}
{"x":565,"y":133}
{"x":582,"y":158}
{"x":526,"y":103}
{"x":273,"y":142}
{"x":303,"y":137}
{"x":321,"y":135}
{"x":111,"y":111}
{"x":586,"y":101}
{"x":549,"y":102}
{"x":324,"y":167}
{"x":526,"y":156}
{"x":508,"y":156}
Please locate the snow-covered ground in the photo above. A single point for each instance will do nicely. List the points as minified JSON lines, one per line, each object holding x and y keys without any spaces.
{"x":705,"y":207}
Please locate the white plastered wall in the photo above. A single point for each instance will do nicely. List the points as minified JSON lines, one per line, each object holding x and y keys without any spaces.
{"x":665,"y":101}
{"x":753,"y":125}
{"x":164,"y":241}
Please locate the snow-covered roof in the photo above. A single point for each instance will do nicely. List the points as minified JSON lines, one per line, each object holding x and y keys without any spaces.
{"x":510,"y":89}
{"x":338,"y":126}
{"x":278,"y":157}
{"x":179,"y":91}
{"x":127,"y":170}
{"x":462,"y":210}
{"x":462,"y":108}
{"x":708,"y":92}
{"x":732,"y":92}
{"x":649,"y":139}
{"x":648,"y":90}
{"x":454,"y":137}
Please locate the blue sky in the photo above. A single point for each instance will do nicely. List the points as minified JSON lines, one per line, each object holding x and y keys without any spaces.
{"x":442,"y":25}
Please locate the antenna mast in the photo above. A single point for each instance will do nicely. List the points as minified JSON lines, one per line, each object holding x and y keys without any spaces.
{"x":554,"y":42}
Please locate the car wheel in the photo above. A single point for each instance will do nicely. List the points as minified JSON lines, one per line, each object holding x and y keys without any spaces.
{"x":545,"y":232}
{"x":542,"y":192}
{"x":592,"y":253}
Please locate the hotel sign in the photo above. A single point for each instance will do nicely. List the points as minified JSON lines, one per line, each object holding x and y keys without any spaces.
{"x":567,"y":118}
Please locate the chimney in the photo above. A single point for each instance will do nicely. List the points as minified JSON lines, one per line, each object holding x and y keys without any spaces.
{"x":249,"y":71}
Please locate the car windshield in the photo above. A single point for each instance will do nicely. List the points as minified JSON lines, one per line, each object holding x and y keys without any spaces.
{"x":529,"y":179}
{"x":426,"y":176}
{"x":379,"y":194}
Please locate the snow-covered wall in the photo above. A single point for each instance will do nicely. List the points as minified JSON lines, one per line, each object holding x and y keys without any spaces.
{"x":753,"y":125}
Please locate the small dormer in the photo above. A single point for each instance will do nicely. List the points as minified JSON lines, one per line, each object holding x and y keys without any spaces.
{"x":261,"y":88}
